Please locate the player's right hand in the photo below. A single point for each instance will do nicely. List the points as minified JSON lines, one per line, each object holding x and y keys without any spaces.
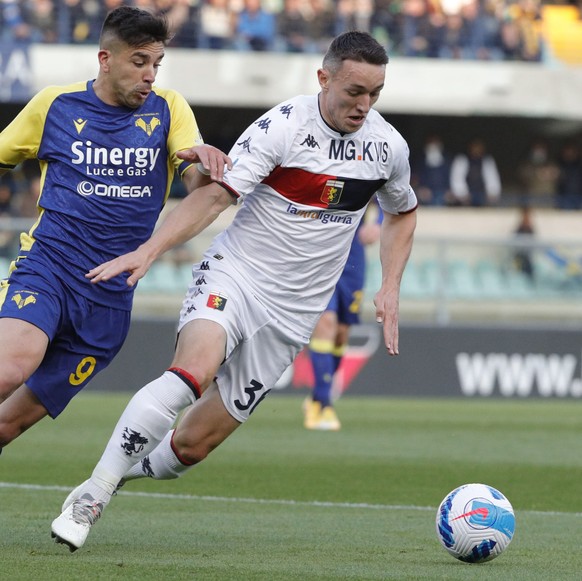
{"x":136,"y":263}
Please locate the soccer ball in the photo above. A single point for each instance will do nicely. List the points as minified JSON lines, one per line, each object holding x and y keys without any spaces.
{"x":475,"y":523}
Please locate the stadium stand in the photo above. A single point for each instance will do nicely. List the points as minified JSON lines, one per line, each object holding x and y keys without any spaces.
{"x":442,"y":271}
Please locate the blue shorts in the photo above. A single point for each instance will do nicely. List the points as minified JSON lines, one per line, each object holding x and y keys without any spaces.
{"x":349,"y":291}
{"x":84,"y":336}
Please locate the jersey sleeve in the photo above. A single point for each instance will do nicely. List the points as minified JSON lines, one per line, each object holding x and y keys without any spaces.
{"x":184,"y":132}
{"x":21,"y":139}
{"x":397,"y":196}
{"x":260,"y":149}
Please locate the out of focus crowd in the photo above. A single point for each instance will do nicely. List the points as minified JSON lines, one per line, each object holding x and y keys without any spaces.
{"x":467,"y":29}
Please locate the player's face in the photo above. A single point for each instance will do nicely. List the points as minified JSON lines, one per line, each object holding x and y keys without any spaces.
{"x":128,"y":73}
{"x":348,"y":94}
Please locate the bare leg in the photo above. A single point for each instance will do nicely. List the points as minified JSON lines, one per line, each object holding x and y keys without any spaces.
{"x":18,"y":413}
{"x":22,"y":348}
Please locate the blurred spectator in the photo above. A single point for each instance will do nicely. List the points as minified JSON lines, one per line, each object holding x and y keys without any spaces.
{"x":538,"y":176}
{"x":41,"y":15}
{"x":217,"y":21}
{"x":320,"y":29}
{"x":476,"y":38}
{"x":25,"y":203}
{"x":453,"y":39}
{"x":256,"y":28}
{"x":79,"y":21}
{"x":6,"y":192}
{"x":569,"y":188}
{"x":353,"y":15}
{"x":14,"y":27}
{"x":293,"y":23}
{"x":524,"y":233}
{"x":475,"y":178}
{"x":522,"y":31}
{"x":471,"y":31}
{"x":8,"y":239}
{"x":386,"y":25}
{"x":183,"y":19}
{"x":416,"y":29}
{"x":431,"y":173}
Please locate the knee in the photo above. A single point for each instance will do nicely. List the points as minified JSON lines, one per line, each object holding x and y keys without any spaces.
{"x":189,"y":450}
{"x":12,"y":378}
{"x":8,"y":431}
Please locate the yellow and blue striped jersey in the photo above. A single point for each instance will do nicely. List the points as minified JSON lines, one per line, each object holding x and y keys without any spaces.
{"x":106,"y":173}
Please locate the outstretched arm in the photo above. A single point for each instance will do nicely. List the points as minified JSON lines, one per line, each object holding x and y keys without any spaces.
{"x":192,"y":215}
{"x":395,"y":246}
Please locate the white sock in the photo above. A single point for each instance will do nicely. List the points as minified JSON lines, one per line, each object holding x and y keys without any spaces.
{"x":160,"y":464}
{"x":143,"y":424}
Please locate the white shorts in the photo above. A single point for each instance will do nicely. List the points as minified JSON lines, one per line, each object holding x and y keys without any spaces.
{"x":257,"y":349}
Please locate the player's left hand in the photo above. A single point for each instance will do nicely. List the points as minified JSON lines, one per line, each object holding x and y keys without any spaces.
{"x":213,"y":160}
{"x":387,"y":315}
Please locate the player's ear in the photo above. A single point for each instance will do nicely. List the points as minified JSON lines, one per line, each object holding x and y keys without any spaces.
{"x":103,"y":56}
{"x":323,"y":78}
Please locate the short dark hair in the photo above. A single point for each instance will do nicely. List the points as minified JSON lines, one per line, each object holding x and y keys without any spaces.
{"x":135,"y":27}
{"x":355,"y":46}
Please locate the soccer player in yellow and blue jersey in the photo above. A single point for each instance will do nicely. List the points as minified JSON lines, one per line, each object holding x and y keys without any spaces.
{"x":107,"y":150}
{"x":329,"y":340}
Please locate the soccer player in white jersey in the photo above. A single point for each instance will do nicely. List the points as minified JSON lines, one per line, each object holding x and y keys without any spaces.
{"x":107,"y":150}
{"x":304,"y":173}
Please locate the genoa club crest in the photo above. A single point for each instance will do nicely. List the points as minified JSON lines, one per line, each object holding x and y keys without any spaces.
{"x":216,"y":301}
{"x":332,"y":192}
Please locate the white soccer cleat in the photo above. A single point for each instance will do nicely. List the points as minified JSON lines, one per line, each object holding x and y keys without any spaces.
{"x":73,"y":526}
{"x":73,"y":495}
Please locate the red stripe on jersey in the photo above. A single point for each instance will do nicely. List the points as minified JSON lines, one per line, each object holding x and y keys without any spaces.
{"x":302,"y":187}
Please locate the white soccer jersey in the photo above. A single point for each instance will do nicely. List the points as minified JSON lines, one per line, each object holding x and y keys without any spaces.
{"x":304,"y":188}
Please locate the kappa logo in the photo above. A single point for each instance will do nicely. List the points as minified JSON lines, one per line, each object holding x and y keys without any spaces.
{"x":332,"y":192}
{"x":286,"y":110}
{"x":310,"y":142}
{"x":24,"y":300}
{"x":245,"y":144}
{"x":148,"y":127}
{"x":263,"y":124}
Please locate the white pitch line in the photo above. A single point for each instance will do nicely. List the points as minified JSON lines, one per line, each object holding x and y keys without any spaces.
{"x":313,"y":503}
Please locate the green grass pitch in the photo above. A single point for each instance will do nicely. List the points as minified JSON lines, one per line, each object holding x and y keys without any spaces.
{"x":277,"y":502}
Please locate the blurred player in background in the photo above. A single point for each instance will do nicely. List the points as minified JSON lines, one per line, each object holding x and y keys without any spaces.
{"x":305,"y":172}
{"x":329,"y":341}
{"x":107,"y":152}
